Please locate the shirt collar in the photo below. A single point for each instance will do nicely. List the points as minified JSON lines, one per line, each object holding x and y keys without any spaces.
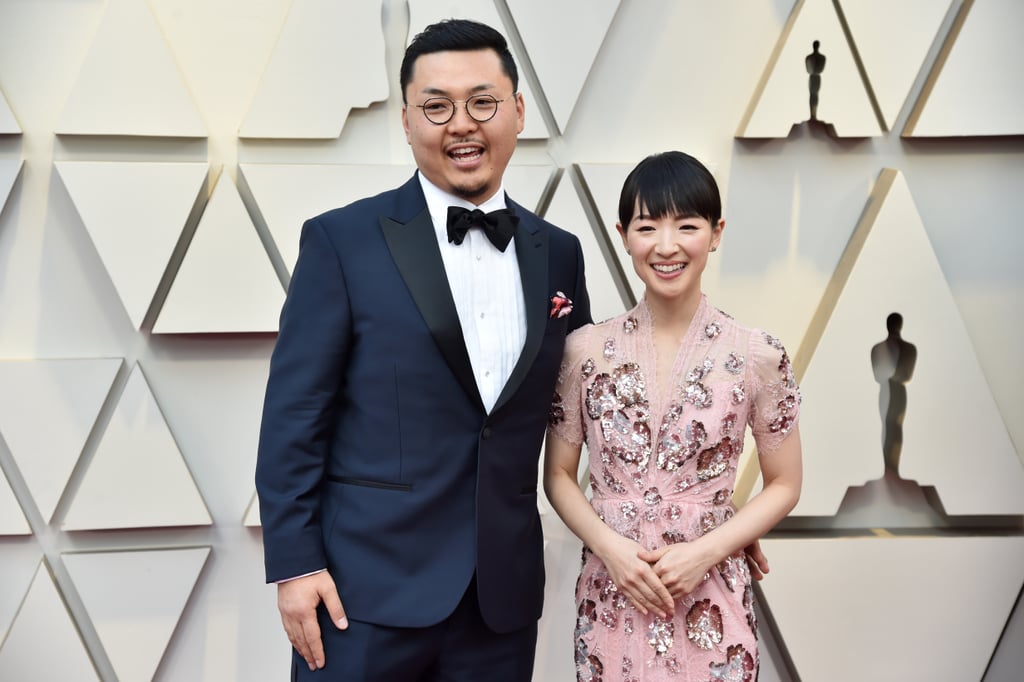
{"x":438,"y":202}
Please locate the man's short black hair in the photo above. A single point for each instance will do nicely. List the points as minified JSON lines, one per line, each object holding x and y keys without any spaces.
{"x":460,"y":35}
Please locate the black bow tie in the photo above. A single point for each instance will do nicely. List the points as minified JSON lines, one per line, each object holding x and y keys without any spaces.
{"x":499,"y":226}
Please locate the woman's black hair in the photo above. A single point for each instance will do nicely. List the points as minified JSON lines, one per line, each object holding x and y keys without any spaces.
{"x":670,"y":184}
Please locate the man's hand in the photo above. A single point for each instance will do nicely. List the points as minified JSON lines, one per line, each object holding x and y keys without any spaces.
{"x":297,"y":600}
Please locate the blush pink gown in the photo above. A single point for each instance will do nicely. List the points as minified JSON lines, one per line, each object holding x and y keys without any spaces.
{"x":663,"y":445}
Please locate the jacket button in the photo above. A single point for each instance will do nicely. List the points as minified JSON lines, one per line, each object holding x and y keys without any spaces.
{"x":486,"y":433}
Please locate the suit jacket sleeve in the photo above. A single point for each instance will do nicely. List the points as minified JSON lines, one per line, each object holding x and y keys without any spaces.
{"x":581,"y":303}
{"x":306,"y":374}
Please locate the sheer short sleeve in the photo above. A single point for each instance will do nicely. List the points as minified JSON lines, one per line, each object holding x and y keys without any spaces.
{"x":776,"y":407}
{"x":565,"y":419}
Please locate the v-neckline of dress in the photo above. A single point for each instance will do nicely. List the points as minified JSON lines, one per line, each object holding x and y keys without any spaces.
{"x":662,"y":389}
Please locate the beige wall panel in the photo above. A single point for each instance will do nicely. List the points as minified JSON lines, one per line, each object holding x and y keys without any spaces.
{"x":134,"y":213}
{"x":329,"y":59}
{"x":782,"y":99}
{"x":975,"y":89}
{"x":42,"y":644}
{"x":8,"y":123}
{"x":562,"y":72}
{"x":425,"y":12}
{"x":47,"y":411}
{"x":137,"y":477}
{"x":893,"y":608}
{"x":226,"y":283}
{"x":134,"y":621}
{"x":893,"y":38}
{"x":129,"y":83}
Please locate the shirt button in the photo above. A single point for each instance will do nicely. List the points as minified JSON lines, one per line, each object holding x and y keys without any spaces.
{"x":479,"y":257}
{"x":482,"y":315}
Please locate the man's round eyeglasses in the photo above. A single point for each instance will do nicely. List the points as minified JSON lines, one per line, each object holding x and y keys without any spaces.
{"x":481,"y":108}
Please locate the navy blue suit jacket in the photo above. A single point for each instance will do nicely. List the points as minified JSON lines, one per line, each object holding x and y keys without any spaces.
{"x":376,"y":457}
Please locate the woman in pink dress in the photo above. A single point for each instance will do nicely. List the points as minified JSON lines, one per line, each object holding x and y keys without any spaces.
{"x":662,"y":396}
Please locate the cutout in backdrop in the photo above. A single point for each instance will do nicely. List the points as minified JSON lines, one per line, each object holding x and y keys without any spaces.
{"x":226,"y":282}
{"x":130,"y":83}
{"x":309,"y":85}
{"x":9,"y":169}
{"x":134,"y":621}
{"x":47,"y":411}
{"x":111,"y":197}
{"x":953,"y":436}
{"x":137,"y":478}
{"x":43,"y":642}
{"x":804,"y":82}
{"x":974,"y":86}
{"x":561,"y":71}
{"x":8,"y":123}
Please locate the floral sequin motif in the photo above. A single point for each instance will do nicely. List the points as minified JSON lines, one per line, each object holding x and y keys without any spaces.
{"x":588,"y":368}
{"x":734,"y":363}
{"x":609,"y":349}
{"x":694,"y":391}
{"x":714,"y":460}
{"x":601,"y":396}
{"x":629,"y":384}
{"x":712,"y":330}
{"x":609,"y":619}
{"x":783,"y":422}
{"x":704,"y":624}
{"x":661,"y":636}
{"x":628,"y":510}
{"x":629,"y":325}
{"x":738,"y":666}
{"x":738,"y":392}
{"x":673,"y":536}
{"x":588,"y":666}
{"x":556,"y":414}
{"x":748,"y":605}
{"x":613,"y":483}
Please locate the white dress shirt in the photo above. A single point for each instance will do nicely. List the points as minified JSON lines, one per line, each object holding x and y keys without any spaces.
{"x":487,"y":289}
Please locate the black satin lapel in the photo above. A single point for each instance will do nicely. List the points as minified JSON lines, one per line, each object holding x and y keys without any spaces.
{"x":532,"y":252}
{"x":414,"y":249}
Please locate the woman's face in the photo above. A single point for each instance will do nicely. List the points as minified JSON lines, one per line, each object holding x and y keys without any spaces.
{"x":670,"y":253}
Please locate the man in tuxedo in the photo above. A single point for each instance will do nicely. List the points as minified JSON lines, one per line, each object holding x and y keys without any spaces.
{"x":408,"y":397}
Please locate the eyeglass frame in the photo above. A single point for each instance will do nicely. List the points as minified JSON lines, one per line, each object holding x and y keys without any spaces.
{"x":465,"y":104}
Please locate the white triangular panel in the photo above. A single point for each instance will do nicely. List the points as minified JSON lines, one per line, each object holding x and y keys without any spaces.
{"x":784,"y":101}
{"x":566,"y":212}
{"x":950,"y":409}
{"x":891,"y":53}
{"x":8,"y":123}
{"x":47,"y":411}
{"x":329,"y":59}
{"x":835,"y":599}
{"x":226,"y":283}
{"x":562,"y":70}
{"x":605,"y":183}
{"x":134,"y":621}
{"x":9,"y":169}
{"x":252,"y":514}
{"x":129,"y":83}
{"x":42,"y":644}
{"x":978,"y":91}
{"x":111,"y":197}
{"x":12,"y":519}
{"x":425,"y":12}
{"x":137,"y":477}
{"x":18,"y":564}
{"x":288,"y":194}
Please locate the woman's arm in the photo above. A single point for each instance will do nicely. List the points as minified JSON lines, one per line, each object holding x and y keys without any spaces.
{"x":682,"y":566}
{"x":631,"y":574}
